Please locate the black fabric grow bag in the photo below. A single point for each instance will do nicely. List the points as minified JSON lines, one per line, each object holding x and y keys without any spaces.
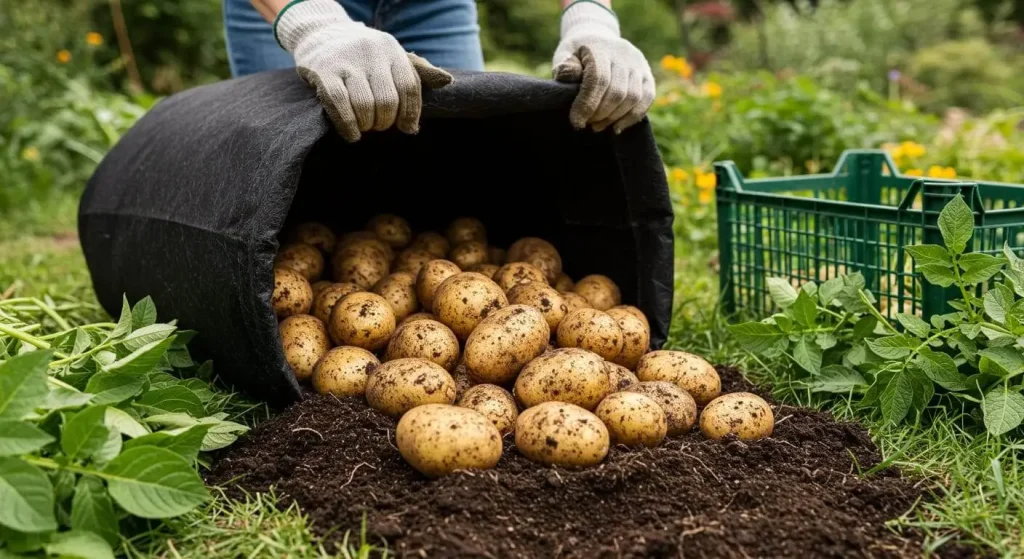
{"x":187,"y":206}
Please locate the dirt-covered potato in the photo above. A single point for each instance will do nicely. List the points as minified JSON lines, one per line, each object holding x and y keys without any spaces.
{"x":742,"y":414}
{"x":496,"y":255}
{"x":466,"y":229}
{"x":304,"y":259}
{"x":431,"y":276}
{"x":362,"y":320}
{"x":636,"y":338}
{"x":432,"y":242}
{"x":324,"y":303}
{"x":304,"y":341}
{"x":320,"y":286}
{"x":463,"y":382}
{"x":465,"y":299}
{"x":391,"y":229}
{"x":592,"y":330}
{"x":620,"y":377}
{"x":680,"y":409}
{"x":691,"y":372}
{"x":363,"y":264}
{"x":633,"y":419}
{"x":484,"y":269}
{"x":399,"y":289}
{"x":412,"y":260}
{"x":426,"y":339}
{"x":439,"y":439}
{"x":316,"y":234}
{"x":292,"y":293}
{"x":396,"y":387}
{"x":572,"y":375}
{"x":505,"y":341}
{"x":574,"y":301}
{"x":417,"y":316}
{"x":633,"y":311}
{"x":360,"y":240}
{"x":542,"y":297}
{"x":515,"y":273}
{"x":343,"y":371}
{"x":468,"y":254}
{"x":495,"y":403}
{"x":538,"y":253}
{"x":600,"y":291}
{"x":564,"y":283}
{"x":526,"y":246}
{"x":563,"y":434}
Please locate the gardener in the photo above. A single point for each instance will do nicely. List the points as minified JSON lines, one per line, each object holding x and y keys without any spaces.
{"x":354,"y":54}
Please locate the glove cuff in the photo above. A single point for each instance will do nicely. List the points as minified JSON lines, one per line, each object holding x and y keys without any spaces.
{"x":299,"y":18}
{"x":589,"y":15}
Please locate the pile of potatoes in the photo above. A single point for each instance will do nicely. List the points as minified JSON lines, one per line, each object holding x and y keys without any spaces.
{"x":466,"y":342}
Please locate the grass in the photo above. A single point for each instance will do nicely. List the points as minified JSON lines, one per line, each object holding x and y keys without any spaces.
{"x":980,"y":498}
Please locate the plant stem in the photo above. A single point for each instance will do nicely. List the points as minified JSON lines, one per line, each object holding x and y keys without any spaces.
{"x":51,"y":464}
{"x":24,"y":336}
{"x":63,"y":324}
{"x":963,"y":290}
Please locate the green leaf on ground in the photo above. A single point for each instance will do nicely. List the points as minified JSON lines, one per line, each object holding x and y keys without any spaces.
{"x":60,"y":398}
{"x":27,"y":497}
{"x":141,"y":360}
{"x":114,"y":387}
{"x":941,"y":369}
{"x":186,"y":444}
{"x":1004,"y":410}
{"x":78,"y":544}
{"x":781,"y":292}
{"x":153,"y":482}
{"x":147,"y":335}
{"x":897,"y":346}
{"x":924,"y":255}
{"x":21,"y":437}
{"x":897,"y":397}
{"x":173,"y":399}
{"x":23,"y":383}
{"x":756,"y":337}
{"x":956,"y":223}
{"x":143,"y":313}
{"x":124,"y":423}
{"x":85,"y":433}
{"x":93,"y":510}
{"x":838,"y":379}
{"x":124,"y":323}
{"x":807,"y":354}
{"x":914,"y":324}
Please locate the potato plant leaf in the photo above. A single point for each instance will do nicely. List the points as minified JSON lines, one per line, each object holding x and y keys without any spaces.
{"x":1002,"y":361}
{"x":85,"y":433}
{"x":124,"y":323}
{"x":914,"y":324}
{"x":956,"y":223}
{"x":938,"y":274}
{"x":142,"y":360}
{"x":152,"y":482}
{"x":941,"y":369}
{"x":186,"y":444}
{"x":173,"y":399}
{"x":79,"y":544}
{"x":92,"y":510}
{"x":27,"y":497}
{"x":21,"y":437}
{"x":756,"y":337}
{"x":781,"y":292}
{"x":147,"y":335}
{"x":1003,"y":409}
{"x":143,"y":313}
{"x":979,"y":267}
{"x":896,"y":346}
{"x":124,"y":423}
{"x":997,"y":302}
{"x":924,"y":255}
{"x":897,"y":396}
{"x":23,"y":383}
{"x":807,"y":354}
{"x":805,"y":311}
{"x":838,"y":379}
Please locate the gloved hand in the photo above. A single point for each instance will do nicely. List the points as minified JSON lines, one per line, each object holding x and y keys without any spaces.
{"x":363,"y":77}
{"x":618,"y":86}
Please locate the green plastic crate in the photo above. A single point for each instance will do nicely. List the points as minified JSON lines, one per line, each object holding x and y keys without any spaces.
{"x":858,"y":218}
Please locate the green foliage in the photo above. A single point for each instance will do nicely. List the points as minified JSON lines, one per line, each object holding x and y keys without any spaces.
{"x":98,"y":423}
{"x":972,"y":358}
{"x":970,"y":73}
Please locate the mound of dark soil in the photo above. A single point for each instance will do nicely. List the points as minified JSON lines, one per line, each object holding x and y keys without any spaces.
{"x":796,"y":494}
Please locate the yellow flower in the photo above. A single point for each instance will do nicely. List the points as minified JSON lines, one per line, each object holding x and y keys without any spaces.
{"x":914,"y":173}
{"x":93,"y":38}
{"x":677,"y":64}
{"x":705,"y":181}
{"x":661,"y":101}
{"x":705,"y":196}
{"x":913,"y":149}
{"x":679,"y":175}
{"x":30,"y":153}
{"x":64,"y":56}
{"x":949,"y":173}
{"x":936,"y":171}
{"x":711,"y":89}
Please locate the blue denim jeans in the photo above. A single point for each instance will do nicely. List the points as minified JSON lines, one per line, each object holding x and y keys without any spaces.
{"x":445,"y":32}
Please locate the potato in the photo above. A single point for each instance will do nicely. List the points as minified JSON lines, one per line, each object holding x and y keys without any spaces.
{"x":742,"y":414}
{"x":324,"y":303}
{"x":620,"y":377}
{"x":572,"y":375}
{"x":412,"y":260}
{"x":680,"y":409}
{"x":592,"y":330}
{"x":633,"y":311}
{"x":391,"y":229}
{"x":292,"y":293}
{"x":526,"y":246}
{"x":439,"y":439}
{"x":636,"y":338}
{"x":466,"y":229}
{"x":417,"y":316}
{"x":495,"y":403}
{"x":504,"y":341}
{"x":468,"y":254}
{"x":564,"y":283}
{"x":316,"y":234}
{"x":496,"y":255}
{"x":304,"y":259}
{"x":538,"y":253}
{"x":431,"y":276}
{"x":432,"y":242}
{"x":691,"y":372}
{"x":362,"y":240}
{"x":320,"y":286}
{"x":574,"y":301}
{"x":465,"y":299}
{"x":343,"y":371}
{"x":304,"y":341}
{"x":463,"y":382}
{"x":426,"y":339}
{"x":633,"y":419}
{"x":363,"y":265}
{"x":484,"y":269}
{"x":563,"y":434}
{"x":542,"y":297}
{"x":515,"y":273}
{"x":600,"y":291}
{"x":362,"y":320}
{"x":399,"y":289}
{"x":396,"y":387}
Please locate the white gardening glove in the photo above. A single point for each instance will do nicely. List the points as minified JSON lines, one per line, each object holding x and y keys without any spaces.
{"x":618,"y":86}
{"x":363,"y":77}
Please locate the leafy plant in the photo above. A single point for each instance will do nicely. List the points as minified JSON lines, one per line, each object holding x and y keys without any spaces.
{"x":99,"y":424}
{"x":972,"y":356}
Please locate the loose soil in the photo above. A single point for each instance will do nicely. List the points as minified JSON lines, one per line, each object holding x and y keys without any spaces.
{"x":796,"y":494}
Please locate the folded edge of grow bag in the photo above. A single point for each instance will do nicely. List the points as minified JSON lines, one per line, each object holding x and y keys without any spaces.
{"x":187,"y":207}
